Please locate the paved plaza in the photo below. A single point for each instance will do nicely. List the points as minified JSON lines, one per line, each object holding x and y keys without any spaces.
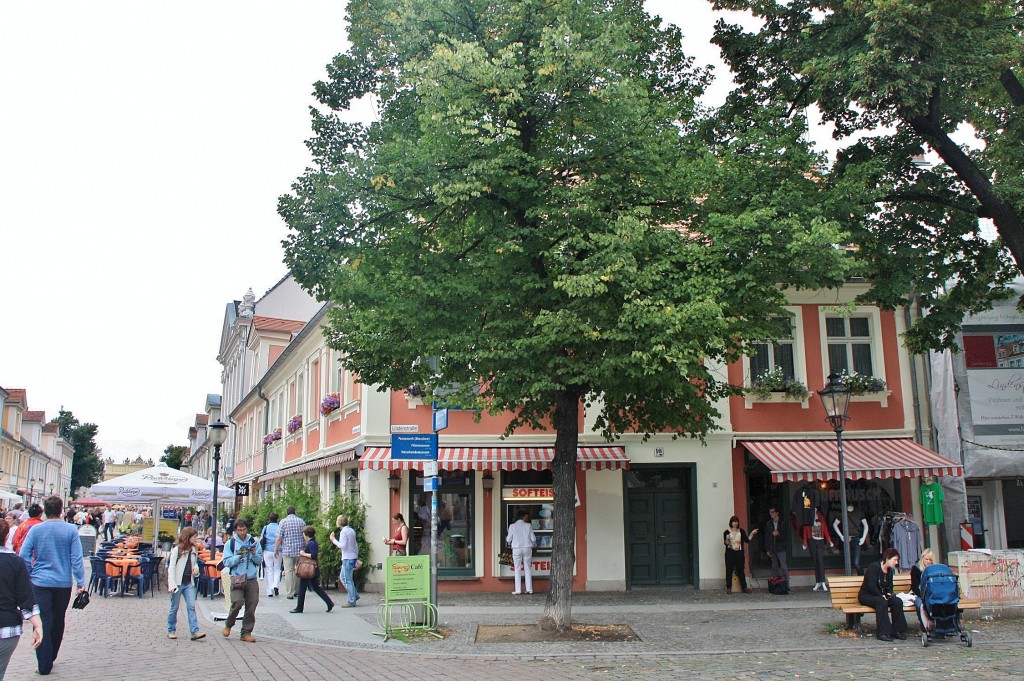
{"x":684,"y":634}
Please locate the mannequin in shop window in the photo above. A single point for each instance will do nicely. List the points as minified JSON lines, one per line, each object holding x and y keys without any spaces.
{"x":815,"y":536}
{"x":859,"y":533}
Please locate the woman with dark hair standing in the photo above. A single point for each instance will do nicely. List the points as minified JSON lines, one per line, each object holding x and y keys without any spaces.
{"x":735,"y":558}
{"x":400,"y":541}
{"x":17,"y":602}
{"x":312,"y":550}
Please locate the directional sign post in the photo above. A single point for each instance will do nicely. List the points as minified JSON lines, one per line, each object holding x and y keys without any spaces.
{"x":414,"y":446}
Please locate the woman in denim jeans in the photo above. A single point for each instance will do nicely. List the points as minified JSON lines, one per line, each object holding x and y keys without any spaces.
{"x":183,"y":564}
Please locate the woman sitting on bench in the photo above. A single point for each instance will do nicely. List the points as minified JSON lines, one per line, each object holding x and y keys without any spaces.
{"x":877,"y":592}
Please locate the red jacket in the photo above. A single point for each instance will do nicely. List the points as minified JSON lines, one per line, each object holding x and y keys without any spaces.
{"x":806,"y":530}
{"x":22,"y":532}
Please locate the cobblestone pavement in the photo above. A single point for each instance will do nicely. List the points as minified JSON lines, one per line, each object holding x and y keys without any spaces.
{"x":684,"y":634}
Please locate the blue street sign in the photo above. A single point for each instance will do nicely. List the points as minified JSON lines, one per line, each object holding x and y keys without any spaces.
{"x":419,"y":446}
{"x":440,"y":419}
{"x":430,"y":484}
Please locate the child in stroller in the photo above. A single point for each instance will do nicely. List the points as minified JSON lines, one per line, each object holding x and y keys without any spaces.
{"x":938,"y":606}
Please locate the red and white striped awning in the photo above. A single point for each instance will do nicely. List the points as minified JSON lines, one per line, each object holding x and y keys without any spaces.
{"x":306,"y":467}
{"x":806,"y":460}
{"x":496,"y":458}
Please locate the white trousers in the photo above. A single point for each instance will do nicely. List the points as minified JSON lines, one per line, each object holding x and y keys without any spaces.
{"x":272,"y":571}
{"x":522,"y":563}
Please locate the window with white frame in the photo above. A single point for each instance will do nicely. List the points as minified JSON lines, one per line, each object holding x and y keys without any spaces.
{"x":849,"y":341}
{"x":775,"y":354}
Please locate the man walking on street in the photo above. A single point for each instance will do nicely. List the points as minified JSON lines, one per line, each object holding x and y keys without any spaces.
{"x":243,"y":556}
{"x":109,"y":521}
{"x":289,"y":543}
{"x":349,"y":547}
{"x":53,"y":553}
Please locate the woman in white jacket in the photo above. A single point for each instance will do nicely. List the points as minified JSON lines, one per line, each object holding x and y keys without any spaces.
{"x":183,"y":564}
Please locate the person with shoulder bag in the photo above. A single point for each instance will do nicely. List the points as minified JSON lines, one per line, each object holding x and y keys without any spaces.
{"x":243,"y":555}
{"x":307,"y":581}
{"x":181,"y":567}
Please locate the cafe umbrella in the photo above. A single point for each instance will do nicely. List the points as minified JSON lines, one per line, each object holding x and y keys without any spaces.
{"x":160,"y":484}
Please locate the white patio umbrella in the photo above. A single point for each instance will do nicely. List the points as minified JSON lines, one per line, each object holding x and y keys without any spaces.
{"x":160,"y":484}
{"x":8,"y":496}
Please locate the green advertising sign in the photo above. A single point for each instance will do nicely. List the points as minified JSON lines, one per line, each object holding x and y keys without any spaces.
{"x":407,"y":578}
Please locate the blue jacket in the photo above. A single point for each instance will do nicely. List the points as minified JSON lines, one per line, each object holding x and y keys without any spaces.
{"x":245,"y":553}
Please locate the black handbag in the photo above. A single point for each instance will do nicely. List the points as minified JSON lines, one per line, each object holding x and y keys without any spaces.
{"x":81,"y":600}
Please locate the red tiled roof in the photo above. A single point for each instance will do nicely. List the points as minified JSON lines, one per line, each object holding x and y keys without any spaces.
{"x":51,"y":428}
{"x":274,"y":324}
{"x":34,"y":416}
{"x":16,"y":395}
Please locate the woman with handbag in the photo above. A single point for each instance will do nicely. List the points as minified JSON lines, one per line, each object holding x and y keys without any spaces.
{"x":181,"y":566}
{"x":243,"y":555}
{"x":310,"y":553}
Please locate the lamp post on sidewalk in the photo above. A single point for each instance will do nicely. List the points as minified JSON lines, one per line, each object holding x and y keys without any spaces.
{"x":835,"y":397}
{"x":218,"y":436}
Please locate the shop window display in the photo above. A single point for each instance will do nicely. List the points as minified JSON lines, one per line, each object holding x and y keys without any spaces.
{"x":455,"y":523}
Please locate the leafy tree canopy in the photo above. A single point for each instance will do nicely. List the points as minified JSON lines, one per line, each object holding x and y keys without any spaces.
{"x":86,"y":466}
{"x":898,"y":78}
{"x":173,"y":455}
{"x":537,"y":209}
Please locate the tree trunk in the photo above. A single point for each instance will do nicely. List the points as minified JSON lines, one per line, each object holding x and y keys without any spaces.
{"x":558,"y":608}
{"x":1008,"y":223}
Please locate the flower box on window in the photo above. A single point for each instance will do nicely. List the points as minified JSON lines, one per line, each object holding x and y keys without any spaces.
{"x":330,"y":402}
{"x":294,"y":424}
{"x":272,"y":437}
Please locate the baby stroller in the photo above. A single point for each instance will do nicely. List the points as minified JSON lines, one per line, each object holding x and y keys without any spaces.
{"x":940,"y":601}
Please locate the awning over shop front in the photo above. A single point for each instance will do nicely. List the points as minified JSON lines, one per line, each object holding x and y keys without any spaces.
{"x":319,"y":464}
{"x":496,"y":458}
{"x":807,"y":460}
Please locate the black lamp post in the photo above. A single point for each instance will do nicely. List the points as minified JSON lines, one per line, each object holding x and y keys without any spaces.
{"x":353,"y":484}
{"x":835,"y":397}
{"x":218,"y":436}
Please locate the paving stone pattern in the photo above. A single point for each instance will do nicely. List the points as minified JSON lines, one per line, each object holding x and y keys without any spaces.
{"x":685,"y":634}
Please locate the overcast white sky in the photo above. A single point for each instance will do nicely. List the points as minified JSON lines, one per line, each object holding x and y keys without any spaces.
{"x":143,"y":146}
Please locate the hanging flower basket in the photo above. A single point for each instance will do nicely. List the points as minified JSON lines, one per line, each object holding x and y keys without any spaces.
{"x":294,"y":423}
{"x":330,"y":402}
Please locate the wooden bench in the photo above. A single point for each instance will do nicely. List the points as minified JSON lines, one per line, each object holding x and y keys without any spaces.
{"x":844,"y":590}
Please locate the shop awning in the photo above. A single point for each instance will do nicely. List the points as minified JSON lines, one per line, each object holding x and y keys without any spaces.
{"x":806,"y":460}
{"x":318,"y":464}
{"x":496,"y":458}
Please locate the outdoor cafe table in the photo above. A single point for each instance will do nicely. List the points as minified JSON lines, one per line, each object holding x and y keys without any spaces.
{"x":123,"y":567}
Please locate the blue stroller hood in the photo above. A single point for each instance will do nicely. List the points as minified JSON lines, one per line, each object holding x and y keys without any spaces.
{"x":939,"y":586}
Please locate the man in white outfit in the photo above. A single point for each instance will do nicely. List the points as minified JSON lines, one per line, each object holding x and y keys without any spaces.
{"x":522,"y":540}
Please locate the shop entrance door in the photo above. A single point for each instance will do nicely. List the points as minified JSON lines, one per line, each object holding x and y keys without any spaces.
{"x":659,"y":527}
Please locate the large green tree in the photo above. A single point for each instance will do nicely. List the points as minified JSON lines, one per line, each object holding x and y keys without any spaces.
{"x":86,"y":466}
{"x":535,"y":212}
{"x":173,"y":455}
{"x":899,"y":78}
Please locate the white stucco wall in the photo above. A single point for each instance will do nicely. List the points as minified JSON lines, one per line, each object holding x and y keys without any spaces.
{"x":606,"y":545}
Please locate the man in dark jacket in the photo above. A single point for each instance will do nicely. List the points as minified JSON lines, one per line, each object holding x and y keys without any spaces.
{"x":877,"y":592}
{"x":774,"y":542}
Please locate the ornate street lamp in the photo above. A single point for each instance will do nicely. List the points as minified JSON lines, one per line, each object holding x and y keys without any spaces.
{"x":353,"y":484}
{"x":835,"y":397}
{"x":218,"y":436}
